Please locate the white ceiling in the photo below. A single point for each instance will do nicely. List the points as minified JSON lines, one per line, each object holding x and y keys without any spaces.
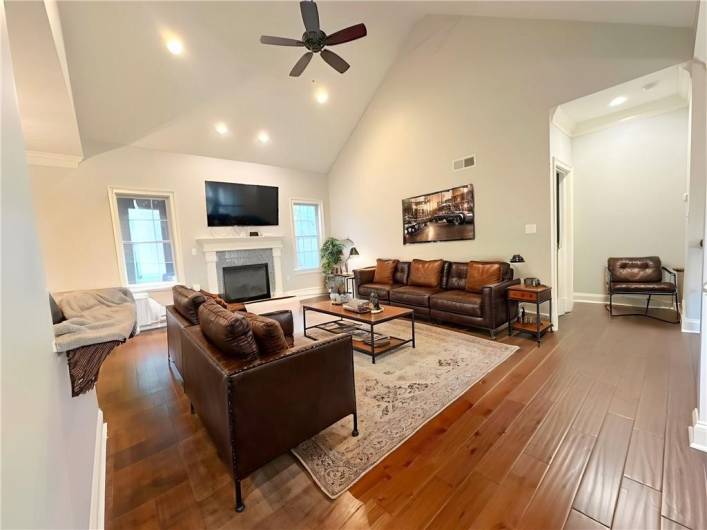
{"x":128,"y":90}
{"x":657,"y":92}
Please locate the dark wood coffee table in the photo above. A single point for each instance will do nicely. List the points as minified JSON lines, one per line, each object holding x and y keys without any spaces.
{"x":370,"y":319}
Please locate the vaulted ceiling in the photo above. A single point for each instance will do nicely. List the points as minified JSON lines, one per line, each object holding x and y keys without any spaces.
{"x":127,"y":89}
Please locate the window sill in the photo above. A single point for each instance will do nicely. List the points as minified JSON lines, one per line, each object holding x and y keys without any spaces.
{"x":308,"y":271}
{"x":146,"y":287}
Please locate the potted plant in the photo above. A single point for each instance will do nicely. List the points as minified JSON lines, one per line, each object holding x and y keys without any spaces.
{"x":332,"y":253}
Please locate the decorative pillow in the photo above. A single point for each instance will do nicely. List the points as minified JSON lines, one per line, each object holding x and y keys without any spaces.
{"x":57,"y":313}
{"x":216,"y":298}
{"x":385,"y":269}
{"x":268,"y":334}
{"x":482,"y":273}
{"x":230,"y":332}
{"x":187,"y":302}
{"x":425,"y":273}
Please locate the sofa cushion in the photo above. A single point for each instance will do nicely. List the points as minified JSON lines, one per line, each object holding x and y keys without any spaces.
{"x":413,"y":295}
{"x":635,"y":269}
{"x":381,"y":289}
{"x":402,"y":271}
{"x":230,"y":332}
{"x":426,"y":273}
{"x":643,"y":287}
{"x":268,"y":334}
{"x":187,"y":302}
{"x":216,"y":298}
{"x":385,"y":269}
{"x":457,"y":301}
{"x":482,"y":273}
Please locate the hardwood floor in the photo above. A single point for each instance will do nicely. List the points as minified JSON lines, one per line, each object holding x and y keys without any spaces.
{"x":588,"y":431}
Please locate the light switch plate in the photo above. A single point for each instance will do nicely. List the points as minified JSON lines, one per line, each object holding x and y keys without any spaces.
{"x":531,"y":229}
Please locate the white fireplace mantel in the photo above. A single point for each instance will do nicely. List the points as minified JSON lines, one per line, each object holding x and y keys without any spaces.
{"x":211,"y":245}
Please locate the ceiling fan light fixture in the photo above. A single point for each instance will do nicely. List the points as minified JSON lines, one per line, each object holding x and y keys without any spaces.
{"x":221,"y":128}
{"x":173,"y":44}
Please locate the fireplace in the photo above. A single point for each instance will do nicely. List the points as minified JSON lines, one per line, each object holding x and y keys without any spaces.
{"x":242,"y":283}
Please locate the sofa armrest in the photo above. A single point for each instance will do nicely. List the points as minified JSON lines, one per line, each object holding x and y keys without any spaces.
{"x":284,"y":318}
{"x":495,"y":302}
{"x":364,"y":276}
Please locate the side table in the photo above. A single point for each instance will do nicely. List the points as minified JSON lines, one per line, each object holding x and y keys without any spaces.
{"x":536,"y":295}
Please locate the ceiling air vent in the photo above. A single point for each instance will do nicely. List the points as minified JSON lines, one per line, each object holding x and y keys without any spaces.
{"x":463,"y":163}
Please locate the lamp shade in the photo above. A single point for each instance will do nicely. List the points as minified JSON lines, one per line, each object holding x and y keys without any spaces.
{"x":517,"y":258}
{"x":353,"y":252}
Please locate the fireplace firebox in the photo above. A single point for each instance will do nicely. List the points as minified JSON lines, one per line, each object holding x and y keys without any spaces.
{"x":243,"y":283}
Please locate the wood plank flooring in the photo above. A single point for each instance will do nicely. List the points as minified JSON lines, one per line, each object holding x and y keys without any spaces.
{"x":587,"y":431}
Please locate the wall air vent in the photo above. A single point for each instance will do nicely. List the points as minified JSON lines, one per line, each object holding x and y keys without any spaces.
{"x":463,"y":163}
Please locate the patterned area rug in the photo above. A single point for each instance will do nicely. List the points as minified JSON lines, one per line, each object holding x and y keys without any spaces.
{"x":395,"y":397}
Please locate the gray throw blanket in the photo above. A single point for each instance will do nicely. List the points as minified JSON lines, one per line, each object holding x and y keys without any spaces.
{"x":95,"y":316}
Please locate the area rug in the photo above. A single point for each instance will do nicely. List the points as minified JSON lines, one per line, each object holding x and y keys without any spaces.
{"x":395,"y":397}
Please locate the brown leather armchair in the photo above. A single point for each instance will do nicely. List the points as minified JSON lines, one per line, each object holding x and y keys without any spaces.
{"x":641,"y":276}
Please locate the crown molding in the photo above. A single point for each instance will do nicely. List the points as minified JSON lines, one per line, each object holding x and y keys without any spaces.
{"x":41,"y":158}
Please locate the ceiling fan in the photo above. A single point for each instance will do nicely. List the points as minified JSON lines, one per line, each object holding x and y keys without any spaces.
{"x":315,"y":40}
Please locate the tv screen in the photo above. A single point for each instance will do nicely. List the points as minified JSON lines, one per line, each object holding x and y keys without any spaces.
{"x":229,"y":204}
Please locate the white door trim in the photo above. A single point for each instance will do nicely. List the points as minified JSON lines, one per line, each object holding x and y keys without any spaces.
{"x":568,"y":262}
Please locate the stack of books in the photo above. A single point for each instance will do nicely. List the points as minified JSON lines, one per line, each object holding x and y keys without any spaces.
{"x":378,"y":339}
{"x":358,"y":306}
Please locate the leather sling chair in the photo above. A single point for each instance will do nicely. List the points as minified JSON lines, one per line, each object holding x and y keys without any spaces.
{"x":641,"y":276}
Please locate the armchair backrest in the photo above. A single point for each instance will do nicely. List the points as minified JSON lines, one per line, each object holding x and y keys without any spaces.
{"x":629,"y":270}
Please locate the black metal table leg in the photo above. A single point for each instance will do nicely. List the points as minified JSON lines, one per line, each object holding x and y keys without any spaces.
{"x":413,"y":329}
{"x":537,"y":321}
{"x":373,"y":346}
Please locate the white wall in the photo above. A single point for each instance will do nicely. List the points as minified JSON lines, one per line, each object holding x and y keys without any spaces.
{"x":560,"y":145}
{"x":48,"y":438}
{"x":485,"y":86}
{"x":629,"y":181}
{"x":75,"y":225}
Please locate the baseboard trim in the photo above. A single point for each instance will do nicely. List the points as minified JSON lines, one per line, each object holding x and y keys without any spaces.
{"x":690,"y":325}
{"x":698,"y":433}
{"x":98,"y":481}
{"x":307,"y":292}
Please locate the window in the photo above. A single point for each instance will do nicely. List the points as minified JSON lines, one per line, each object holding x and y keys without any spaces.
{"x":144,"y":237}
{"x":306,"y":220}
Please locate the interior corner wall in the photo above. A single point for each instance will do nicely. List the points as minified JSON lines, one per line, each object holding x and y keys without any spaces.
{"x":48,"y":437}
{"x":483,"y":86}
{"x":76,"y":229}
{"x":629,"y":186}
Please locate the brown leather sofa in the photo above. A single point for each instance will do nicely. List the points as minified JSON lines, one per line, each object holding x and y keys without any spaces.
{"x":445,"y":297}
{"x":256,"y":407}
{"x":184,"y":313}
{"x":641,"y":276}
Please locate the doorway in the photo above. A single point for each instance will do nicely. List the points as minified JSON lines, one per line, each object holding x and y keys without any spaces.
{"x":563,"y":236}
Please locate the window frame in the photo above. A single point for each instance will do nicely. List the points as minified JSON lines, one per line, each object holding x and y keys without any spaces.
{"x":320,"y":222}
{"x":171,"y":204}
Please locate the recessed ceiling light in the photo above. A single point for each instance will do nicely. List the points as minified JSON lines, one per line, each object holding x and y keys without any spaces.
{"x":321,"y":95}
{"x":175,"y":46}
{"x":263,"y":137}
{"x":619,"y":100}
{"x":221,"y":128}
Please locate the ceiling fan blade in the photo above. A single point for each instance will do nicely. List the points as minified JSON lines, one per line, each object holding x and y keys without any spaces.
{"x":300,"y":65}
{"x":336,"y":62}
{"x":347,"y":35}
{"x":310,"y":15}
{"x":280,"y":41}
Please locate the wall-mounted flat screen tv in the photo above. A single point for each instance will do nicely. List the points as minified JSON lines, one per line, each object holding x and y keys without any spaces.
{"x":230,"y":204}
